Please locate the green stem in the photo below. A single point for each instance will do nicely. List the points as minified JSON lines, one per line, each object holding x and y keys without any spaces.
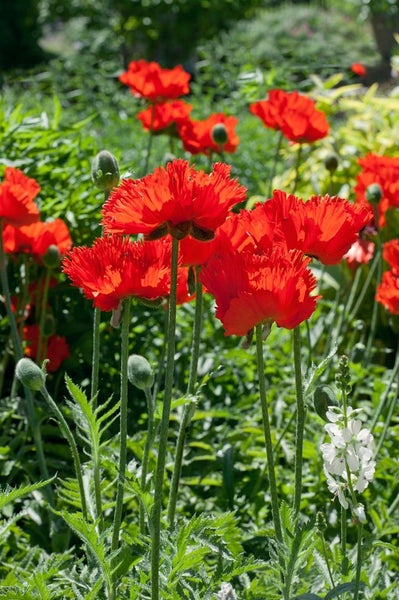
{"x":18,"y":354}
{"x":274,"y":164}
{"x":300,"y":421}
{"x":366,"y":285}
{"x":67,"y":433}
{"x":345,"y":561}
{"x":297,"y":163}
{"x":268,"y":435}
{"x":150,"y":138}
{"x":95,"y":364}
{"x":164,"y":428}
{"x":381,"y":404}
{"x":358,"y":562}
{"x":197,"y":326}
{"x":42,"y":343}
{"x":147,"y":449}
{"x":374,"y":315}
{"x":326,"y":559}
{"x":123,"y":424}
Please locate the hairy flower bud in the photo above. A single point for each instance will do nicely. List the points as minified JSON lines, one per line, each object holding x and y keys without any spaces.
{"x":140,"y":372}
{"x":219,"y":134}
{"x":331,"y":162}
{"x":30,"y":374}
{"x":374,"y":193}
{"x":51,"y":259}
{"x":105,"y":171}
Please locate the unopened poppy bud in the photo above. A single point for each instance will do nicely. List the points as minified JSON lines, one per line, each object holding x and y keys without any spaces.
{"x":374,"y":193}
{"x":30,"y":374}
{"x":219,"y":134}
{"x":323,"y":397}
{"x":331,"y":162}
{"x":140,"y":372}
{"x":105,"y":171}
{"x":51,"y":259}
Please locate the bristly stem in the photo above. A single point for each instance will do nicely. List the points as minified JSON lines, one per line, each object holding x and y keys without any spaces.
{"x":268,"y":435}
{"x":123,"y":423}
{"x":42,"y":344}
{"x":150,"y":138}
{"x":147,"y":449}
{"x":274,"y":164}
{"x":164,"y":428}
{"x":95,"y":364}
{"x":18,"y":354}
{"x":67,"y":433}
{"x":300,"y":420}
{"x":297,"y":165}
{"x":358,"y":561}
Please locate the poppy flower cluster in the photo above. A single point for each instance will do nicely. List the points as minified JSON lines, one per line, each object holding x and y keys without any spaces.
{"x":292,"y":113}
{"x":387,"y":292}
{"x":45,"y":242}
{"x":381,"y":171}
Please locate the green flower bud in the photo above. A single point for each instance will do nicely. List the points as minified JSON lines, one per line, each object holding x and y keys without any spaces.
{"x":323,"y":397}
{"x":51,"y":259}
{"x":30,"y":374}
{"x":331,"y":162}
{"x":374,"y":193}
{"x":140,"y":372}
{"x":219,"y":134}
{"x":105,"y":171}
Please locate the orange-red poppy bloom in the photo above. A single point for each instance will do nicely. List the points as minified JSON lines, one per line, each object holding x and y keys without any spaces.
{"x":114,"y":268}
{"x":390,"y":253}
{"x":150,"y":81}
{"x":324,"y":227}
{"x":292,"y":113}
{"x":35,"y":239}
{"x":198,"y":136}
{"x":360,"y":253}
{"x":383,"y":171}
{"x":57,"y":349}
{"x":17,"y":194}
{"x":177,"y":199}
{"x":251,"y":289}
{"x":165,"y":115}
{"x":387,"y":292}
{"x":359,"y":69}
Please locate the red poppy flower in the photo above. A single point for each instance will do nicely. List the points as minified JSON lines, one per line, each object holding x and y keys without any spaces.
{"x":231,"y":236}
{"x":57,"y":348}
{"x":388,"y":292}
{"x":250,"y":289}
{"x":384,"y":171}
{"x":390,"y":253}
{"x":197,"y":136}
{"x":17,"y":192}
{"x":150,"y":81}
{"x":165,"y":114}
{"x":324,"y":227}
{"x":358,"y":69}
{"x":115,"y":268}
{"x":177,"y":199}
{"x":294,"y":114}
{"x":36,"y":238}
{"x":360,"y":253}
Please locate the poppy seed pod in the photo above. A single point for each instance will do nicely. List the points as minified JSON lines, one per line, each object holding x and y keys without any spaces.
{"x":374,"y":193}
{"x":30,"y":374}
{"x":219,"y":134}
{"x":105,"y":171}
{"x":140,"y":372}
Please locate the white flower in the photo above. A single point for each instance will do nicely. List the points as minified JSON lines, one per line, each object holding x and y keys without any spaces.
{"x":226,"y":592}
{"x":337,"y":489}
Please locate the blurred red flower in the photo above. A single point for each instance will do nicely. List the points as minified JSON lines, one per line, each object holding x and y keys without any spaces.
{"x":165,"y":115}
{"x":390,"y":253}
{"x":384,"y":171}
{"x":324,"y":227}
{"x":360,"y":253}
{"x":197,"y":136}
{"x":251,"y":289}
{"x":17,"y":192}
{"x":358,"y":69}
{"x":150,"y":81}
{"x":57,"y":348}
{"x":388,"y":292}
{"x":36,"y":238}
{"x":177,"y":199}
{"x":294,"y":114}
{"x":114,"y":268}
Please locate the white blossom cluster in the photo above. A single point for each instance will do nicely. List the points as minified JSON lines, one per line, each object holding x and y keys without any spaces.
{"x":348,"y":459}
